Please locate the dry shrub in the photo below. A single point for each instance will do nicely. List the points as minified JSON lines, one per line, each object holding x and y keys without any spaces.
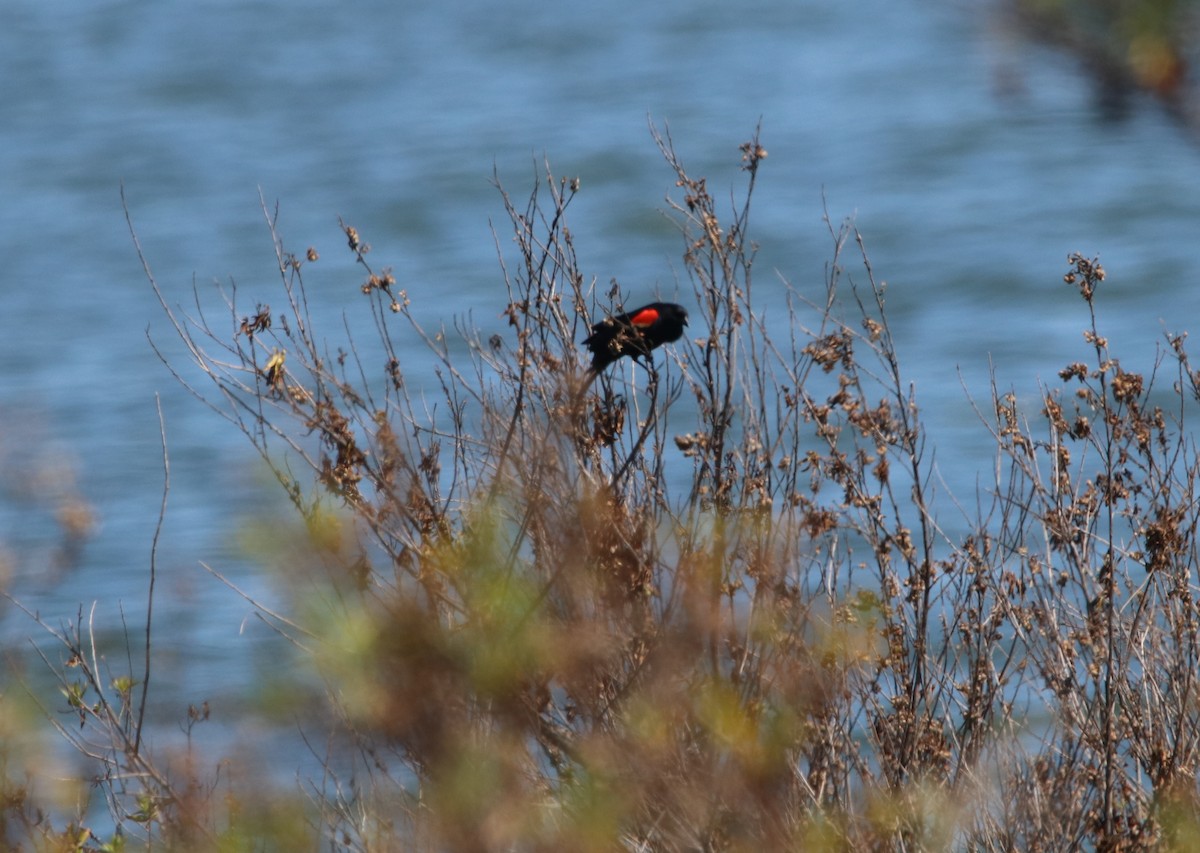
{"x":708,"y":603}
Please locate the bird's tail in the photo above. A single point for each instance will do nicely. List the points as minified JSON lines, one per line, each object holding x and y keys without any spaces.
{"x":582,"y":385}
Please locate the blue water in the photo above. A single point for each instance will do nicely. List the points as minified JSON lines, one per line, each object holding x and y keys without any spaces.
{"x":969,"y":191}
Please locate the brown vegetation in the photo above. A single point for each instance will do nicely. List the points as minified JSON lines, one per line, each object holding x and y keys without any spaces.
{"x":709,"y":605}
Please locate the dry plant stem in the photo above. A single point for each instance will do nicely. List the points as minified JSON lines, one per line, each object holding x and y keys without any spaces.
{"x":560,"y":205}
{"x":912,"y":450}
{"x":162,"y":514}
{"x":277,"y":622}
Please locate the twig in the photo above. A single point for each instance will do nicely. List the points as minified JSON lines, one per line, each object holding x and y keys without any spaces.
{"x":162,"y":514}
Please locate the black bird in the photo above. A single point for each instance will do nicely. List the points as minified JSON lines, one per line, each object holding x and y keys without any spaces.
{"x":634,"y":334}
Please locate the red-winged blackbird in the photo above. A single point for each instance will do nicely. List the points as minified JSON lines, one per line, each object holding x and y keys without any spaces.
{"x":634,"y":334}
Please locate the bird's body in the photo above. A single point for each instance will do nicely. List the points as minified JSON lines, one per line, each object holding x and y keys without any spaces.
{"x":635,"y":333}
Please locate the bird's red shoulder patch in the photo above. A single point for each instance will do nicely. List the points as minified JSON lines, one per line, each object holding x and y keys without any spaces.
{"x":645,"y":317}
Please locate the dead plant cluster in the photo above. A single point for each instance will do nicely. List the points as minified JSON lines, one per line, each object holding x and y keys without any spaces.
{"x":713,"y":602}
